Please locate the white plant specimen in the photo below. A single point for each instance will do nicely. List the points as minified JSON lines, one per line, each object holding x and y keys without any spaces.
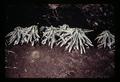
{"x":74,"y":38}
{"x":105,"y":39}
{"x":62,"y":29}
{"x":15,"y":36}
{"x":24,"y":35}
{"x":30,"y":34}
{"x":24,"y":38}
{"x":49,"y":36}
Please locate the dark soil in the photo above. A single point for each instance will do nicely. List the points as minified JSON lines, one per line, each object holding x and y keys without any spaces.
{"x":25,"y":61}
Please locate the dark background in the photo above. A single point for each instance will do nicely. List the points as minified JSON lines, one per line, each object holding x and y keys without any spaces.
{"x":75,"y":15}
{"x":31,"y":13}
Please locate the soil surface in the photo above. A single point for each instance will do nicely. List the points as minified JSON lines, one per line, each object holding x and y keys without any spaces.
{"x":26,"y":61}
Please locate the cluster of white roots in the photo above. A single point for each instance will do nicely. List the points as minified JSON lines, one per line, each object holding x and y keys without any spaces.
{"x":71,"y":38}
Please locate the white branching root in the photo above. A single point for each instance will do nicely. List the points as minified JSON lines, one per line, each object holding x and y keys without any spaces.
{"x":23,"y":35}
{"x":105,"y":39}
{"x":49,"y":36}
{"x":30,"y":35}
{"x":74,"y":38}
{"x":15,"y":36}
